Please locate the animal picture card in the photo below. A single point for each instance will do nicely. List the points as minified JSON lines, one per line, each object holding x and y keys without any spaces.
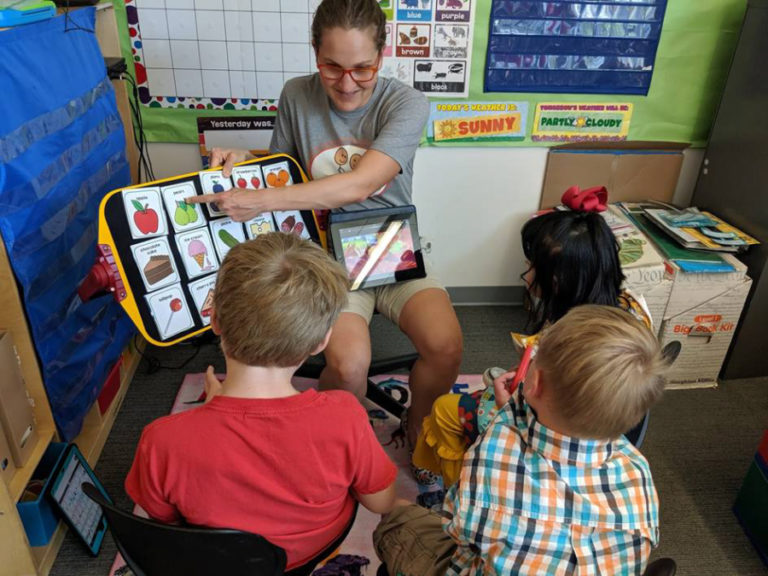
{"x":213,"y":182}
{"x":226,"y":234}
{"x":197,"y":252}
{"x":262,"y":224}
{"x":170,"y":311}
{"x":291,"y":222}
{"x":248,"y":177}
{"x":202,"y":294}
{"x":155,"y":263}
{"x":144,"y":209}
{"x":277,"y":175}
{"x":183,"y":216}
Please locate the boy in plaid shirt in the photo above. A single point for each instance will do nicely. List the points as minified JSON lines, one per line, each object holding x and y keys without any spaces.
{"x":552,"y":487}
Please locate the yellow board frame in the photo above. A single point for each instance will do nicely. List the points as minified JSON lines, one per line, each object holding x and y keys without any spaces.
{"x":105,"y":238}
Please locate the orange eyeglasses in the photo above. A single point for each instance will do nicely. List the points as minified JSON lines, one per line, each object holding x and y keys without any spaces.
{"x":333,"y":72}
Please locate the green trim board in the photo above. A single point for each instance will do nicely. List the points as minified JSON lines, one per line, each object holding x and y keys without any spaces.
{"x":696,"y":47}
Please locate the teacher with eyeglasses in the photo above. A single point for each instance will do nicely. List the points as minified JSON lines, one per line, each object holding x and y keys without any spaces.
{"x":355,"y":134}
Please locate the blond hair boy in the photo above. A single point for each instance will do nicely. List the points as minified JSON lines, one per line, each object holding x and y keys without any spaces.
{"x":551,"y":487}
{"x":261,"y":456}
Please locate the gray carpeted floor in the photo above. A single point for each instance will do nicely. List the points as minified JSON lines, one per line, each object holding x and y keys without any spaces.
{"x":699,"y":445}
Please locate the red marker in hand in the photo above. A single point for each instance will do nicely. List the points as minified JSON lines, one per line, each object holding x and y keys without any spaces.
{"x":522,"y":369}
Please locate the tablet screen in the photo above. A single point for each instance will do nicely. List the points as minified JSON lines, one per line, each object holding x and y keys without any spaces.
{"x":82,"y":514}
{"x":377,"y":251}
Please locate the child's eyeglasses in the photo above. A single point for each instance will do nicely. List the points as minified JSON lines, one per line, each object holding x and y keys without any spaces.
{"x":333,"y":72}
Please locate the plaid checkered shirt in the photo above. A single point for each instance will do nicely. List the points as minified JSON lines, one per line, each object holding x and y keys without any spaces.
{"x":531,"y":501}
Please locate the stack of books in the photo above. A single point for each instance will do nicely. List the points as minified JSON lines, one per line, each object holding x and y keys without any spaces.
{"x":698,"y":230}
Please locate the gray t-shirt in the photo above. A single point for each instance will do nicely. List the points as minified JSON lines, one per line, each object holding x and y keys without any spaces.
{"x":326,"y":141}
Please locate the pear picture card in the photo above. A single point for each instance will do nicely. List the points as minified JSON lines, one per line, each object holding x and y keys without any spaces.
{"x":170,"y":311}
{"x":262,"y":224}
{"x":144,"y":209}
{"x":226,"y":235}
{"x":155,"y":262}
{"x":202,"y":293}
{"x":213,"y":182}
{"x":248,"y":177}
{"x":183,"y":216}
{"x":197,"y":252}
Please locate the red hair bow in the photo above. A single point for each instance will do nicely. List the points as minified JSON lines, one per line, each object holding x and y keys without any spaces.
{"x":589,"y":200}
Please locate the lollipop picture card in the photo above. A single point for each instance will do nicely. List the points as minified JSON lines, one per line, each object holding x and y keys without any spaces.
{"x":197,"y":252}
{"x":170,"y":311}
{"x":213,"y":182}
{"x":144,"y":209}
{"x":155,"y":263}
{"x":183,"y":216}
{"x":291,"y":222}
{"x":226,"y":235}
{"x":202,"y":294}
{"x":247,"y":177}
{"x":262,"y":224}
{"x":277,"y":175}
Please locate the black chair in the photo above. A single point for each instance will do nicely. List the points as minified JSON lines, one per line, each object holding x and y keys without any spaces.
{"x":660,"y":567}
{"x":151,"y":548}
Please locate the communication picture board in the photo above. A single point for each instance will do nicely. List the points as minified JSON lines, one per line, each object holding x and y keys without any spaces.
{"x":168,"y":252}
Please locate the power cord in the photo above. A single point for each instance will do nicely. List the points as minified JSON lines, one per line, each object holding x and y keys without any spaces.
{"x":155,"y":365}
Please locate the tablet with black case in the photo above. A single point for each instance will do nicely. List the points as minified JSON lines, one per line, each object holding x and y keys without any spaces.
{"x":377,"y":247}
{"x":65,"y":492}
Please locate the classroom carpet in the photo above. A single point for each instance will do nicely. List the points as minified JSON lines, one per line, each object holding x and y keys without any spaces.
{"x":358,"y":543}
{"x":699,"y":444}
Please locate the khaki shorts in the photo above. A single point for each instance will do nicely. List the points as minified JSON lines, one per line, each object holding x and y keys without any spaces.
{"x":390,"y":300}
{"x":411,"y":541}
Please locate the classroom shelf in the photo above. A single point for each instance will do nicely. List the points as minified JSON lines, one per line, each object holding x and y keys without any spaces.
{"x":23,"y":475}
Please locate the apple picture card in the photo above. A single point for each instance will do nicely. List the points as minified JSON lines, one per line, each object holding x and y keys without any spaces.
{"x":202,"y":294}
{"x":144,"y":210}
{"x":291,"y":222}
{"x":170,"y":311}
{"x":197,"y":252}
{"x":248,"y":177}
{"x":183,"y":216}
{"x":155,"y":262}
{"x":213,"y":182}
{"x":277,"y":175}
{"x":262,"y":224}
{"x":226,"y":234}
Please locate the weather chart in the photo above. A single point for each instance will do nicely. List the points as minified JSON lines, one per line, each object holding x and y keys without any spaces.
{"x":237,"y":54}
{"x":166,"y":252}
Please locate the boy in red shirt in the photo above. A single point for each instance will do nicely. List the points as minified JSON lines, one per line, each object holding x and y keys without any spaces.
{"x":261,"y":456}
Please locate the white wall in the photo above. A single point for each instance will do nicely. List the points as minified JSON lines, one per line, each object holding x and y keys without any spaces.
{"x":471,"y":204}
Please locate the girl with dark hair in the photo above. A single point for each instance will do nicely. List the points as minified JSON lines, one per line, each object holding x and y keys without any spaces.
{"x":356,"y":133}
{"x":573,"y":259}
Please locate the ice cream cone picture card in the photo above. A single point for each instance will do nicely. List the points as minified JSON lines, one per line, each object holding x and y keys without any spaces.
{"x":213,"y":182}
{"x":247,"y":177}
{"x":155,"y":263}
{"x":262,"y":224}
{"x":170,"y":311}
{"x":277,"y":175}
{"x":183,"y":216}
{"x":226,"y":235}
{"x":291,"y":222}
{"x":144,"y":209}
{"x":197,"y":252}
{"x":202,"y":293}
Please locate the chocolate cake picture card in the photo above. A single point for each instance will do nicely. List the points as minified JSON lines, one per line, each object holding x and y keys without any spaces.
{"x":202,"y":293}
{"x":155,"y":262}
{"x":183,"y":216}
{"x":262,"y":224}
{"x":170,"y":311}
{"x":248,"y":177}
{"x":197,"y":252}
{"x":226,"y":235}
{"x":291,"y":222}
{"x":144,"y":210}
{"x":213,"y":182}
{"x":277,"y":175}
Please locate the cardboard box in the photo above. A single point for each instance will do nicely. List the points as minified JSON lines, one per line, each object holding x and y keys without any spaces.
{"x":702,"y":314}
{"x":631,"y":171}
{"x":16,"y":416}
{"x":7,"y":467}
